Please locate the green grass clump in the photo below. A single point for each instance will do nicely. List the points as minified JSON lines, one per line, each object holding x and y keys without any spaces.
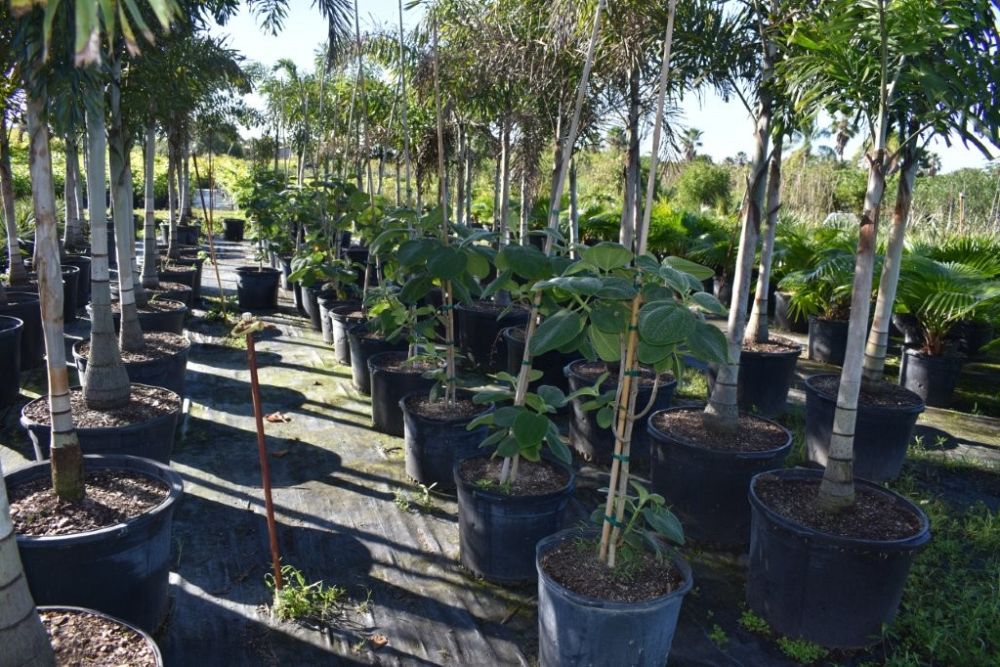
{"x":801,"y":651}
{"x":298,"y":600}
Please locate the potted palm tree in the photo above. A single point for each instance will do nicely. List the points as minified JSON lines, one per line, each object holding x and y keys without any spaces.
{"x":261,"y":198}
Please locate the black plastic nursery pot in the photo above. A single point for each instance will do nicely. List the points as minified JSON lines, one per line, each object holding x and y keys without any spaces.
{"x":598,"y":444}
{"x":834,"y":591}
{"x":434,"y":443}
{"x":881,"y":433}
{"x":931,"y":377}
{"x":576,"y":629}
{"x":497,"y":533}
{"x":391,"y":380}
{"x":167,"y":371}
{"x":327,"y":300}
{"x":121,"y":570}
{"x":297,"y":298}
{"x":174,"y":292}
{"x":71,"y":288}
{"x":11,"y":330}
{"x":708,"y":487}
{"x":257,"y":288}
{"x":81,"y":262}
{"x":188,"y":234}
{"x":551,"y":364}
{"x":147,"y":639}
{"x":341,"y":319}
{"x":479,"y":332}
{"x":234,"y":229}
{"x":828,"y":340}
{"x":764,"y":380}
{"x":364,"y":345}
{"x":161,"y":315}
{"x":151,"y":439}
{"x":310,"y":302}
{"x":185,"y":275}
{"x":784,"y":319}
{"x":25,"y":307}
{"x":197,"y":263}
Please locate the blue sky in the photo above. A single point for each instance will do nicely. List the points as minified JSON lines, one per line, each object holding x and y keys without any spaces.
{"x":726,"y":126}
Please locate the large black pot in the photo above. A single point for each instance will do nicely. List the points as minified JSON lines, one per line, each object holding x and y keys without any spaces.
{"x":297,"y":298}
{"x":234,"y":229}
{"x":122,"y":570}
{"x":598,"y":444}
{"x":310,"y":302}
{"x":932,"y":378}
{"x":11,"y":330}
{"x":153,"y":439}
{"x":341,"y":319}
{"x":708,"y":487}
{"x":167,"y":372}
{"x":433,"y":444}
{"x":881,"y":433}
{"x":197,"y":263}
{"x":783,"y":319}
{"x":71,"y":287}
{"x":764,"y":381}
{"x":828,"y":340}
{"x":364,"y":348}
{"x":185,"y":275}
{"x":389,"y":386}
{"x":497,"y":533}
{"x":171,"y":321}
{"x":257,"y":288}
{"x":326,"y":301}
{"x":575,"y":629}
{"x":551,"y":364}
{"x":147,"y":639}
{"x":25,"y":307}
{"x":479,"y":333}
{"x":188,"y":234}
{"x":835,"y":591}
{"x":81,"y":262}
{"x":283,"y":264}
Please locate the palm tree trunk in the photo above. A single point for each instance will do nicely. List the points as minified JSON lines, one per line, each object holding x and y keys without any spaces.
{"x":574,"y":211}
{"x":106,"y":384}
{"x":522,"y":233}
{"x":173,"y":175}
{"x":22,"y":635}
{"x":722,"y":412}
{"x":627,"y":233}
{"x":150,"y":275}
{"x":130,"y":338}
{"x":878,"y":337}
{"x":757,"y":329}
{"x":468,"y":181}
{"x":185,"y":185}
{"x":403,"y":110}
{"x":496,"y":192}
{"x":505,"y":184}
{"x":67,"y":460}
{"x":17,"y":274}
{"x":72,"y":235}
{"x":460,"y":178}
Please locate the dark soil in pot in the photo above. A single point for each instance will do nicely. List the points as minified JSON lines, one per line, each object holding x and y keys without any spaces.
{"x":11,"y":330}
{"x":767,"y":372}
{"x":705,"y":476}
{"x":479,"y":332}
{"x":586,"y":609}
{"x":783,"y":318}
{"x":81,"y":262}
{"x":184,"y":275}
{"x":887,"y":414}
{"x":827,"y":340}
{"x":143,"y":427}
{"x":157,"y":315}
{"x":834,"y":579}
{"x":162,"y":363}
{"x":598,"y":444}
{"x":393,"y":377}
{"x":257,"y":288}
{"x":436,"y":436}
{"x":931,"y":377}
{"x":365,"y":344}
{"x":173,"y":292}
{"x":25,"y":307}
{"x":341,"y":319}
{"x":86,"y":637}
{"x":110,"y":552}
{"x":499,"y":528}
{"x":234,"y":229}
{"x":551,"y":364}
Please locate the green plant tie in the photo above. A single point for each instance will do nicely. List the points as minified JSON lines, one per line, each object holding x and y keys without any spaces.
{"x":448,"y":306}
{"x":613,"y":521}
{"x":621,"y":457}
{"x":632,"y":327}
{"x":525,"y":362}
{"x":634,"y":373}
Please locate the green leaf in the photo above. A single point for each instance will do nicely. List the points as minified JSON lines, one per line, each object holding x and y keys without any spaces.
{"x":610,"y":317}
{"x":506,"y":416}
{"x":529,"y":429}
{"x":664,"y":522}
{"x":526,"y":261}
{"x":607,"y":345}
{"x":617,"y":288}
{"x":708,"y":303}
{"x":535,"y":402}
{"x":604,"y":416}
{"x":493,"y":438}
{"x":651,"y":355}
{"x":665,"y":323}
{"x":502,"y":281}
{"x":447,"y":263}
{"x":479,"y":266}
{"x":708,"y":344}
{"x":416,"y":288}
{"x":481,"y":420}
{"x":697,"y":271}
{"x":508,"y":447}
{"x":580,"y":285}
{"x":607,"y":256}
{"x":553,"y":396}
{"x":556,"y":445}
{"x":414,"y":252}
{"x":555,"y":331}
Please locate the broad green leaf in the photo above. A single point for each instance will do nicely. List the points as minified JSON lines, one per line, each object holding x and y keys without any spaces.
{"x":508,"y":447}
{"x":708,"y":344}
{"x":416,"y":288}
{"x":607,"y":256}
{"x":526,"y":261}
{"x":665,"y":323}
{"x":604,"y":416}
{"x":529,"y":428}
{"x":502,"y":281}
{"x":610,"y":317}
{"x":553,"y":396}
{"x":506,"y":416}
{"x":479,"y":266}
{"x":414,"y":252}
{"x":606,"y":345}
{"x":708,"y":303}
{"x":652,"y":355}
{"x":664,"y":522}
{"x":580,"y":285}
{"x":556,"y":445}
{"x":556,"y":330}
{"x":447,"y":263}
{"x":481,"y":420}
{"x":494,"y":438}
{"x":491,"y":395}
{"x":617,"y":288}
{"x":698,"y":271}
{"x":535,"y":402}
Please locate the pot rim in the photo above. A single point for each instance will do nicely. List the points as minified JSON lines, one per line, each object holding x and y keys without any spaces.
{"x":447,"y":420}
{"x":375,"y":358}
{"x":786,"y":353}
{"x":166,"y":475}
{"x":260,"y":271}
{"x":549,"y":542}
{"x":951,"y":358}
{"x":899,"y":544}
{"x":501,"y":498}
{"x":185,"y":350}
{"x":611,"y":382}
{"x":18,"y":324}
{"x":22,"y":291}
{"x":661,"y":436}
{"x":157,"y":655}
{"x":871,"y":409}
{"x":30,"y":423}
{"x":828,"y":320}
{"x":343,"y":311}
{"x":513,"y":312}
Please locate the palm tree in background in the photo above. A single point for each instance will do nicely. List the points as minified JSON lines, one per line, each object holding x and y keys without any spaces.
{"x":690,"y":142}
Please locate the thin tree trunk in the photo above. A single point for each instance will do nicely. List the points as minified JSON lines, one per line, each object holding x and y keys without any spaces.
{"x":496,"y":193}
{"x":67,"y":460}
{"x":722,"y":412}
{"x":757,"y":329}
{"x":107,"y":383}
{"x":17,"y":274}
{"x":186,"y":198}
{"x":505,"y":185}
{"x":130,"y":339}
{"x":150,"y":274}
{"x":405,"y":101}
{"x":627,"y":233}
{"x":72,"y":236}
{"x":468,"y":181}
{"x":574,"y":211}
{"x":460,"y":177}
{"x":381,"y":169}
{"x":878,"y":337}
{"x":522,"y":232}
{"x":22,"y":635}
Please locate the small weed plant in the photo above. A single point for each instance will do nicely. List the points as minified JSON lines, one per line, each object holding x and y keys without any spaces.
{"x":298,"y":600}
{"x":801,"y":651}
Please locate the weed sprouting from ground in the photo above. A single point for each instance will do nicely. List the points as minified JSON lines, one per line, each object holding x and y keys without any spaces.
{"x":298,"y":600}
{"x":422,"y":501}
{"x":754,"y":623}
{"x":801,"y":651}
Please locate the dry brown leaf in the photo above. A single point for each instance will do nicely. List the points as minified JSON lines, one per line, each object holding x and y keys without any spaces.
{"x":378,"y":641}
{"x":279,"y":453}
{"x":278,"y":418}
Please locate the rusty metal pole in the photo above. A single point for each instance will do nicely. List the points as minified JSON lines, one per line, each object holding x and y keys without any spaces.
{"x":265,"y":468}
